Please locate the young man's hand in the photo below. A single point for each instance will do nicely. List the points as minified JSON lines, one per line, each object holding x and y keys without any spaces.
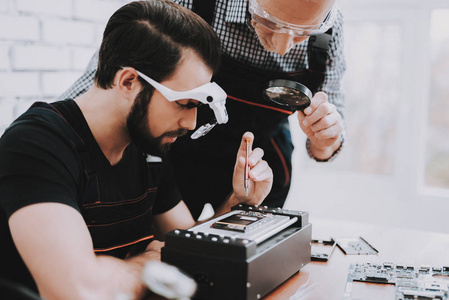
{"x":259,"y":179}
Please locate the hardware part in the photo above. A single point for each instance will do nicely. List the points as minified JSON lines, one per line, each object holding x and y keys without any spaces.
{"x":355,"y":246}
{"x":410,"y":282}
{"x":322,"y":249}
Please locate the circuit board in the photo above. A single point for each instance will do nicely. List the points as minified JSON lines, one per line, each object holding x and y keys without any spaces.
{"x":410,"y":282}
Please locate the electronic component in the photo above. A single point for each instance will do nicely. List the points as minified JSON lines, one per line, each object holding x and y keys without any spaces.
{"x":358,"y":246}
{"x":255,"y":224}
{"x":252,"y":249}
{"x":243,"y":221}
{"x":322,"y":249}
{"x":410,"y":282}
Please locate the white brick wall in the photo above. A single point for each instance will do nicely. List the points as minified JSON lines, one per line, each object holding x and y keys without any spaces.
{"x":4,"y":56}
{"x":80,"y":56}
{"x":18,"y":28}
{"x":95,"y":10}
{"x":45,"y":46}
{"x":60,"y":8}
{"x":6,"y":112}
{"x":54,"y":31}
{"x":55,"y":83}
{"x":19,"y":84}
{"x":44,"y":58}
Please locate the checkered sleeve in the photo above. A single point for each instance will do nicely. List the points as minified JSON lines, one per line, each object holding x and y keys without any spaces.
{"x":335,"y":69}
{"x":336,"y":66}
{"x":84,"y":82}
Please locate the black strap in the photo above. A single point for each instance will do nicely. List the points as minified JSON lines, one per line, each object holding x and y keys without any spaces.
{"x":205,"y":9}
{"x":44,"y":111}
{"x":48,"y":113}
{"x":318,"y":50}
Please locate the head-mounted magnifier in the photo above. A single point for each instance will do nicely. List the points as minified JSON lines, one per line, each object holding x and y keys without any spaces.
{"x":291,"y":94}
{"x":210,"y":93}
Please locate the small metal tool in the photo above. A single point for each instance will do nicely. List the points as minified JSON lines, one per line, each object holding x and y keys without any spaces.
{"x":246,"y":179}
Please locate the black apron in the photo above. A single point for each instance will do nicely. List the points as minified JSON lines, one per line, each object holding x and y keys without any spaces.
{"x":204,"y":167}
{"x":118,"y":227}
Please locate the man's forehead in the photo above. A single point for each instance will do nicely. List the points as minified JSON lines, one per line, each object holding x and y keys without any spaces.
{"x":300,"y":12}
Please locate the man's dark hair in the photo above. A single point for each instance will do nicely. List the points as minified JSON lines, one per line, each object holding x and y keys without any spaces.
{"x":150,"y":36}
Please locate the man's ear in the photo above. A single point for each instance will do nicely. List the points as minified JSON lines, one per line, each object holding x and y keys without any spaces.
{"x":127,"y":83}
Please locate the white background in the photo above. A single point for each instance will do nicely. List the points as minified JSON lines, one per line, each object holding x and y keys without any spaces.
{"x":397,"y":110}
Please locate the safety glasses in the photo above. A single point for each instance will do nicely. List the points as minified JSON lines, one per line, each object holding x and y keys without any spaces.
{"x":263,"y":18}
{"x":209,"y":93}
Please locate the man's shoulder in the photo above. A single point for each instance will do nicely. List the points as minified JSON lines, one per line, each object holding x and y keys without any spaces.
{"x":39,"y":126}
{"x":34,"y":153}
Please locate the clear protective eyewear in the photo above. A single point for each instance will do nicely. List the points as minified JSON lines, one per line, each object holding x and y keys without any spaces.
{"x":209,"y":93}
{"x":259,"y":15}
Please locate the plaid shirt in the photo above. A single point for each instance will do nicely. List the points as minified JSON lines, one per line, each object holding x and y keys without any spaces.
{"x":238,"y":42}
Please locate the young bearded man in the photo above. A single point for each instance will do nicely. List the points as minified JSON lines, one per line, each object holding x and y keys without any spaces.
{"x":79,"y":201}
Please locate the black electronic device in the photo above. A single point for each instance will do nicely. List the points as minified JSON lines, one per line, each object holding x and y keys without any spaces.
{"x":243,"y":254}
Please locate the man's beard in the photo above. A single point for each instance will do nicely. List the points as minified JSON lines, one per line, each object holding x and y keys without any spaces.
{"x":137,"y":123}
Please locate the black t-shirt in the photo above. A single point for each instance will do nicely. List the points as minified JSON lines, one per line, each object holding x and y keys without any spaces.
{"x":39,"y":163}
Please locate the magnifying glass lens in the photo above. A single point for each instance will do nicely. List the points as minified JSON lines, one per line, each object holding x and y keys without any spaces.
{"x":288,"y":93}
{"x":287,"y":96}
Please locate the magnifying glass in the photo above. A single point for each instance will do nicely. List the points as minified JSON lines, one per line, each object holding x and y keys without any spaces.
{"x":291,"y":94}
